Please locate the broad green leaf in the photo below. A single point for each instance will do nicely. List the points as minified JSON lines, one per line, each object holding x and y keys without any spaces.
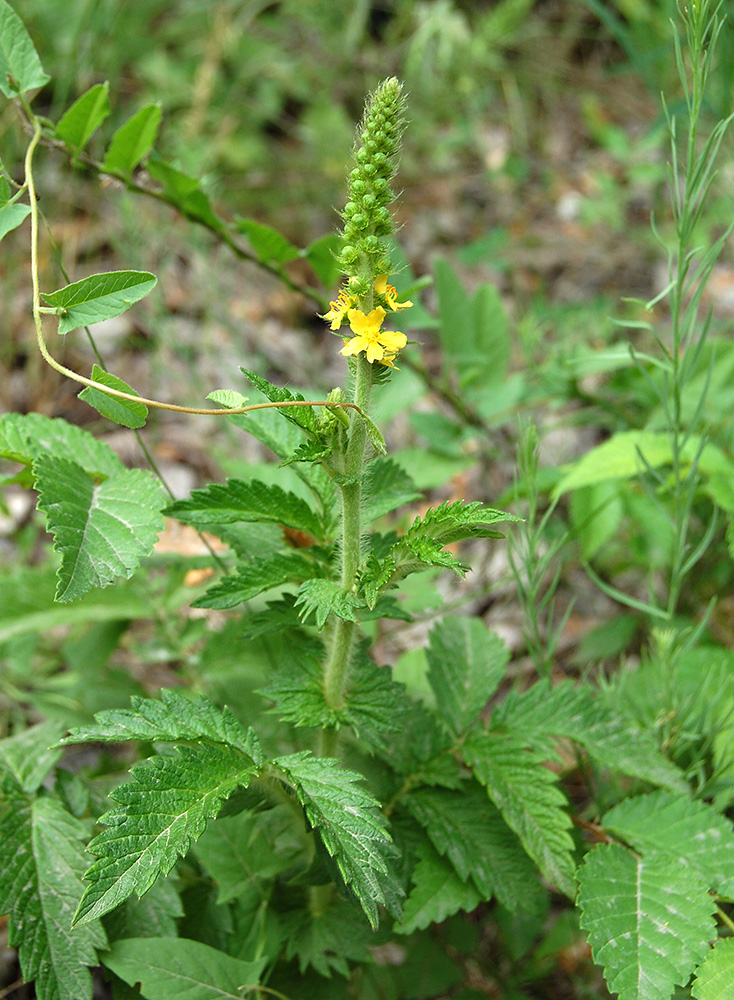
{"x":649,"y":920}
{"x":25,"y":437}
{"x":102,"y":530}
{"x":238,"y":500}
{"x":269,"y":245}
{"x":84,"y":117}
{"x":467,"y":829}
{"x":181,"y":969}
{"x":99,"y":297}
{"x":525,"y":792}
{"x":230,"y":399}
{"x":715,"y":976}
{"x":256,"y":576}
{"x":161,"y":812}
{"x":122,"y":411}
{"x":41,"y":864}
{"x":20,"y":67}
{"x":387,"y":486}
{"x":27,"y":604}
{"x":349,"y":823}
{"x":29,"y":755}
{"x":438,"y":892}
{"x":572,"y":712}
{"x":322,"y":598}
{"x":185,"y":192}
{"x":625,"y":455}
{"x":327,"y":940}
{"x":244,"y":850}
{"x":154,"y":915}
{"x":173,"y":718}
{"x":466,"y":664}
{"x":12,"y":215}
{"x":132,"y":142}
{"x":681,"y":829}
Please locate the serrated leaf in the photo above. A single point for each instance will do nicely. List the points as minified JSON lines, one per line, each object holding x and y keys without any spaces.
{"x":102,"y":530}
{"x":387,"y":486}
{"x":161,"y":812}
{"x":81,"y":121}
{"x":172,"y":718}
{"x":322,"y":598}
{"x":41,"y":860}
{"x":29,"y":755}
{"x":122,"y":411}
{"x":438,"y":892}
{"x":571,"y":712}
{"x":350,"y":825}
{"x":684,"y":830}
{"x":12,"y":215}
{"x":466,"y":664}
{"x":270,"y":246}
{"x":185,"y":192}
{"x":99,"y":297}
{"x":303,"y":416}
{"x":132,"y":142}
{"x":649,"y":920}
{"x":715,"y":976}
{"x":18,"y":58}
{"x":526,"y":793}
{"x":238,"y":500}
{"x":230,"y":399}
{"x":329,"y":940}
{"x":181,"y":969}
{"x":154,"y":915}
{"x":25,"y":437}
{"x":373,"y":433}
{"x":256,"y":576}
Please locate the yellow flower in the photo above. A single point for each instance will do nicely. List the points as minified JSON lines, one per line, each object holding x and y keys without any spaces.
{"x":339,"y":309}
{"x":390,"y":294}
{"x":378,"y":345}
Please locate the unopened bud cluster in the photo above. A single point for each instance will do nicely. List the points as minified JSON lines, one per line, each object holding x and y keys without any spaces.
{"x":367,"y":218}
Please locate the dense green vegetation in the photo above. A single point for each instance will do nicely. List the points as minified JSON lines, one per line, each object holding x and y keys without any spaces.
{"x":417,"y":687}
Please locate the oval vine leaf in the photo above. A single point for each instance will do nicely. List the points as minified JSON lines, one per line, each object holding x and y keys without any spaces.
{"x":20,"y":67}
{"x":99,"y":297}
{"x":122,"y":411}
{"x":230,"y":399}
{"x":132,"y":142}
{"x":102,"y":530}
{"x":81,"y":121}
{"x":11,"y":216}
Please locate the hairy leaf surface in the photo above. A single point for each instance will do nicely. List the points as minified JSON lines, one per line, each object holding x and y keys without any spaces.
{"x":41,"y":864}
{"x":102,"y":530}
{"x":526,"y":793}
{"x":649,"y":920}
{"x":256,"y":576}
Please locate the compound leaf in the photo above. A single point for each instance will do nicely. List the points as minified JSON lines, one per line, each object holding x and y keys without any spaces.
{"x":649,"y":920}
{"x":258,"y":575}
{"x":349,"y":823}
{"x":102,"y":530}
{"x":238,"y":500}
{"x":181,"y":969}
{"x":81,"y":121}
{"x":132,"y":142}
{"x":468,"y":830}
{"x":438,"y":892}
{"x":327,"y":940}
{"x":526,"y":793}
{"x":99,"y":297}
{"x":20,"y":67}
{"x":161,"y":812}
{"x":466,"y":664}
{"x":683,"y":830}
{"x":41,"y":861}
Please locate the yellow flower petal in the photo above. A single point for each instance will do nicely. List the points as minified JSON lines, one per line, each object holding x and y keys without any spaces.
{"x":393,"y":340}
{"x":366,"y":326}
